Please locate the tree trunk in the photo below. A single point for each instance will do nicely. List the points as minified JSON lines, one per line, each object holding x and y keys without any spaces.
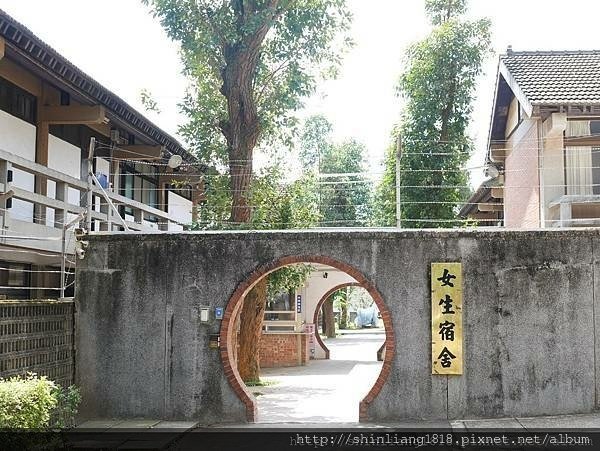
{"x":328,"y":318}
{"x":251,"y":320}
{"x":241,"y":130}
{"x":242,"y":127}
{"x":344,"y":311}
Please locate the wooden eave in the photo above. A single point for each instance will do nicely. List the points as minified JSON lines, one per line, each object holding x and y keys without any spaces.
{"x":25,"y":48}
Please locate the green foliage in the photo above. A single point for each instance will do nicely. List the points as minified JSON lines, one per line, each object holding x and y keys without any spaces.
{"x":276,"y":204}
{"x":148,"y":101}
{"x":304,"y":40}
{"x":288,"y":278}
{"x":283,"y":205}
{"x":384,"y":198}
{"x":441,"y":11}
{"x":344,"y":199}
{"x":438,"y":85}
{"x":315,"y":142}
{"x":68,"y":400}
{"x":27,"y":402}
{"x":34,"y":402}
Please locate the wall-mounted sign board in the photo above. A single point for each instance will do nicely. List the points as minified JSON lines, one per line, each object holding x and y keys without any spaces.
{"x":446,"y":318}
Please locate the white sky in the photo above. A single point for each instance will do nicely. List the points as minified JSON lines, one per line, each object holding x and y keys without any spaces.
{"x":121,"y":46}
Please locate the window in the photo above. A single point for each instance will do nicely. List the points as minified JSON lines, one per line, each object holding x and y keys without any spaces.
{"x":17,"y":101}
{"x":15,"y":280}
{"x":595,"y":170}
{"x":139,"y":182}
{"x":184,"y":191}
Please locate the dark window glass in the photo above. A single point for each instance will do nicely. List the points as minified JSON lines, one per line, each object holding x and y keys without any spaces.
{"x":596,"y":170}
{"x":184,"y":191}
{"x":65,"y":98}
{"x":17,"y":101}
{"x":15,"y":279}
{"x":68,"y":133}
{"x":595,"y":128}
{"x":139,"y":182}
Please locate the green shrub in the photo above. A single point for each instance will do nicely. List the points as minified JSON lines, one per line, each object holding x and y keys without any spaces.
{"x":27,"y":402}
{"x":68,"y":401}
{"x":36,"y":402}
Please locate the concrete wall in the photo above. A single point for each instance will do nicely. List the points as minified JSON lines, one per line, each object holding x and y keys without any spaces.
{"x":530,"y":321}
{"x":315,"y":288}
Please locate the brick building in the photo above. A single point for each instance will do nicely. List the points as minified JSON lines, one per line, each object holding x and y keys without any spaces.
{"x":544,"y":141}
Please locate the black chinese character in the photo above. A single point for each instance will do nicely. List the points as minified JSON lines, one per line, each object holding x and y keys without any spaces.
{"x":446,"y":358}
{"x":447,"y":331}
{"x":446,"y":279}
{"x":447,"y":303}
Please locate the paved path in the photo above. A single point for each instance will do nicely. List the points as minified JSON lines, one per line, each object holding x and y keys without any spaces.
{"x":324,"y":391}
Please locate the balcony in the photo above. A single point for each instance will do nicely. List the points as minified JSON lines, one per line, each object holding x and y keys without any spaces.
{"x":574,"y":210}
{"x":281,"y":321}
{"x":43,"y":228}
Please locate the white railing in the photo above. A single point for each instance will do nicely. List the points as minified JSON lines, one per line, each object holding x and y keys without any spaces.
{"x":105,"y":218}
{"x":280,"y":321}
{"x":585,"y":214}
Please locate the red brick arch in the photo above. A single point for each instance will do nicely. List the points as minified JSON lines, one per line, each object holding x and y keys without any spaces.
{"x":233,"y":309}
{"x":320,"y":304}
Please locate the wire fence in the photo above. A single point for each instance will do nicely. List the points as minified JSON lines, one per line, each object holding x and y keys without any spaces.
{"x":563,"y":189}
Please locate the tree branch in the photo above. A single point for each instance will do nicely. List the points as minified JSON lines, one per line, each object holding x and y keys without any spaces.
{"x":271,"y":77}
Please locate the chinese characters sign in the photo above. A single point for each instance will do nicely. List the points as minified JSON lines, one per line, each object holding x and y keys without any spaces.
{"x":446,"y":318}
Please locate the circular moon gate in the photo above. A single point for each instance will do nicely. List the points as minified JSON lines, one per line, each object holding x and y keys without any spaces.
{"x":228,"y":341}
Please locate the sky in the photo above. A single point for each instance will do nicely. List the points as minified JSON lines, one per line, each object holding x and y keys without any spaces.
{"x":120,"y":45}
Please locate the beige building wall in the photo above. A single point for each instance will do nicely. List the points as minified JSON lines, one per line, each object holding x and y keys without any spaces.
{"x":521,"y":192}
{"x":553,"y":176}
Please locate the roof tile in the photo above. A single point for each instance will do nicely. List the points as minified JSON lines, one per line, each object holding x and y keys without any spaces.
{"x":567,"y":77}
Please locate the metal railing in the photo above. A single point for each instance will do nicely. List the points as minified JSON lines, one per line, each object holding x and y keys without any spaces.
{"x":104,"y":217}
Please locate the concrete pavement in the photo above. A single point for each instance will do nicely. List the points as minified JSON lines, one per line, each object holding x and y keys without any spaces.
{"x":326,"y":393}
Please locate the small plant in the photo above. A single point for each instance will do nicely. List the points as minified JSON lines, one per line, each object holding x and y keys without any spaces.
{"x":34,"y":402}
{"x":260,"y":383}
{"x":68,"y":400}
{"x":26,"y":402}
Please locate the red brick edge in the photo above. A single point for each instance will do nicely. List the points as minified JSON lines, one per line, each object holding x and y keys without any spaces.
{"x":233,"y":307}
{"x":320,"y":304}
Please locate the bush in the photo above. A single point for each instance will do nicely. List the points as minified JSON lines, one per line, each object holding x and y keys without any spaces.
{"x":27,"y":402}
{"x":68,"y":401}
{"x":36,"y":402}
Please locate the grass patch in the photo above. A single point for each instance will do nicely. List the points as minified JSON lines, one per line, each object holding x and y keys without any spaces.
{"x":259,"y":383}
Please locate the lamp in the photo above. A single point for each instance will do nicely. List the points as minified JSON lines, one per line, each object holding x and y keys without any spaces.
{"x":175,"y":161}
{"x":491,"y":171}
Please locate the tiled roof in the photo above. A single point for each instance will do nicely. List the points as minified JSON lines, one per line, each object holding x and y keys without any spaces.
{"x":24,"y":41}
{"x":550,"y":78}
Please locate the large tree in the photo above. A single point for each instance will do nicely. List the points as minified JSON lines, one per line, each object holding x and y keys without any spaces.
{"x":251,"y":62}
{"x":277,"y":204}
{"x":384,"y":197}
{"x":438,"y":85}
{"x":343,"y":188}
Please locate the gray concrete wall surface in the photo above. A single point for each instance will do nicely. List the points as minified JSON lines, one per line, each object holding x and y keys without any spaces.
{"x":530,"y":324}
